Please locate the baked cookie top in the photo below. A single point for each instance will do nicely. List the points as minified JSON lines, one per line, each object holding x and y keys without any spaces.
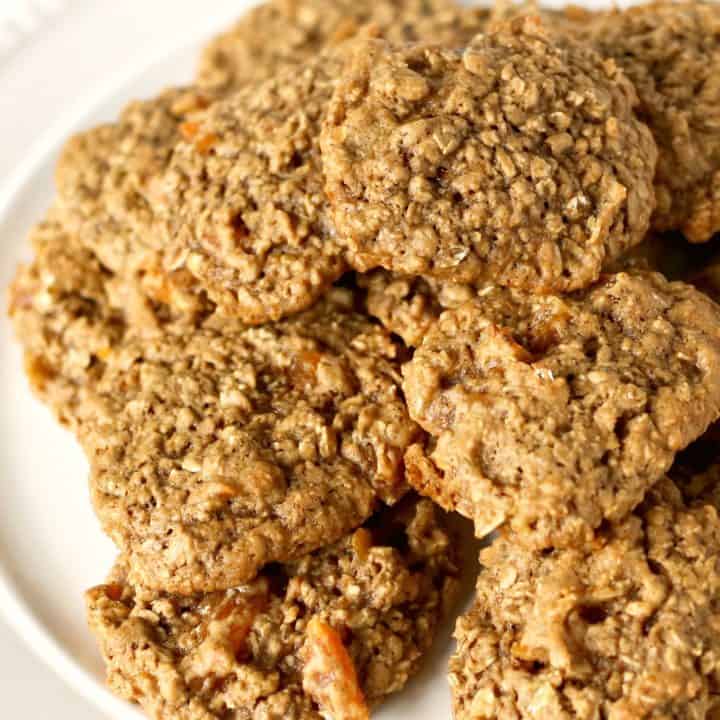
{"x":69,"y":311}
{"x":623,"y":627}
{"x":216,"y":452}
{"x":61,"y":314}
{"x":243,"y":197}
{"x":556,"y":413}
{"x":671,"y":52}
{"x":278,"y":35}
{"x":518,"y":160}
{"x":106,"y":176}
{"x":567,"y":19}
{"x":329,"y":635}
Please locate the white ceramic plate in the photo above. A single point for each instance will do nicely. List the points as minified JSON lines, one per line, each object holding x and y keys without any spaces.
{"x":51,"y":547}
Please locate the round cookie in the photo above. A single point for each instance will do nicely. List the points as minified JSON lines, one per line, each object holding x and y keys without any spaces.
{"x":556,"y":413}
{"x":69,"y":312}
{"x":671,"y":52}
{"x":623,"y":627}
{"x":518,"y":161}
{"x":243,"y":197}
{"x":216,"y":452}
{"x":329,"y":635}
{"x":63,"y":318}
{"x":281,"y":34}
{"x":106,"y":178}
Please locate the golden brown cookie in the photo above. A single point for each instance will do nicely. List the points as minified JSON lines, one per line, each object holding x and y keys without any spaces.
{"x":623,"y":627}
{"x":106,"y":178}
{"x":517,"y":161}
{"x":69,"y":312}
{"x":671,"y":52}
{"x":243,"y":197}
{"x":331,"y":634}
{"x":280,"y":34}
{"x":217,"y":451}
{"x":62,"y":315}
{"x":555,"y":413}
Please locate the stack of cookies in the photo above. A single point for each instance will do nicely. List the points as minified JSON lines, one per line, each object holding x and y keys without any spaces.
{"x":383,"y":257}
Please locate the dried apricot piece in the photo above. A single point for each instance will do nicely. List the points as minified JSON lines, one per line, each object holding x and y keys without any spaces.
{"x":329,"y":675}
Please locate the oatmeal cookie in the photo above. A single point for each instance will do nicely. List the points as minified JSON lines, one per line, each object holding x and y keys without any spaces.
{"x":106,"y":178}
{"x":671,"y":52}
{"x":624,"y":627}
{"x":278,"y":35}
{"x":69,"y":313}
{"x":61,"y":314}
{"x":556,"y":413}
{"x":517,"y":161}
{"x":331,"y":634}
{"x":216,"y":452}
{"x":244,"y":202}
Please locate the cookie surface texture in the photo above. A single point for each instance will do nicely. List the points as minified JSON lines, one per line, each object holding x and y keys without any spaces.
{"x":624,"y":627}
{"x":556,"y":413}
{"x":105,"y":176}
{"x":334,"y":632}
{"x":281,"y":34}
{"x":409,"y":305}
{"x":216,"y":452}
{"x":671,"y":53}
{"x":61,"y":312}
{"x":243,"y":199}
{"x":517,"y":161}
